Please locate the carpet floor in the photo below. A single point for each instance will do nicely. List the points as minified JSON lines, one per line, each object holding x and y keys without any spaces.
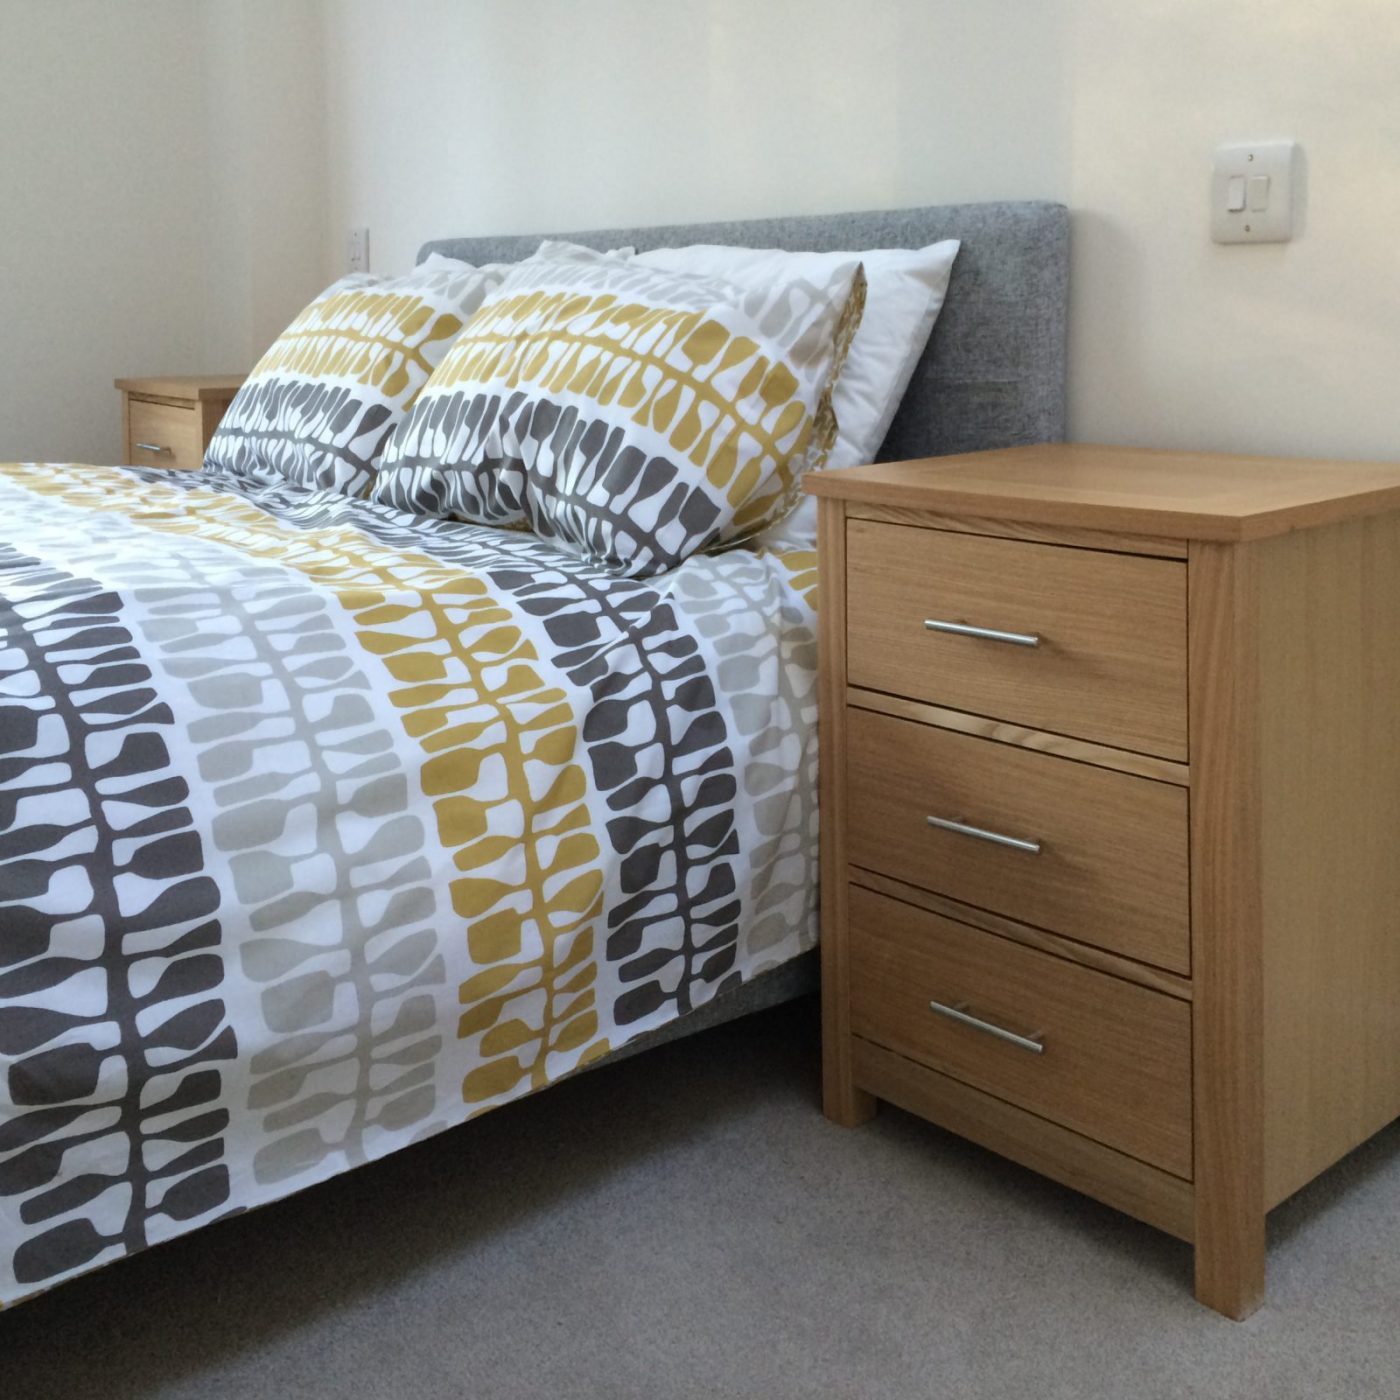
{"x":687,"y":1224}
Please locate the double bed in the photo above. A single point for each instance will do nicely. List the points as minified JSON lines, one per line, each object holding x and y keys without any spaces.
{"x":325,"y":826}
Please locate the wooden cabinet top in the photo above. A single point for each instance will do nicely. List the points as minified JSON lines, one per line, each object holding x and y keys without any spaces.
{"x":1177,"y":495}
{"x":197,"y":387}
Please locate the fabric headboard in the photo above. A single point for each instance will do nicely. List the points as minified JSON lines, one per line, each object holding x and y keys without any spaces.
{"x":994,"y":372}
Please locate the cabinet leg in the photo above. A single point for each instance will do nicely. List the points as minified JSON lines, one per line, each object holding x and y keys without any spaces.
{"x":1230,"y":1262}
{"x":1227,"y":924}
{"x":842,"y":1102}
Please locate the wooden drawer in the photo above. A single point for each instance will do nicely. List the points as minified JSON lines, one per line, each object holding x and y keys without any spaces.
{"x":173,"y":431}
{"x":1116,"y":1062}
{"x":1111,"y":663}
{"x":1112,"y":869}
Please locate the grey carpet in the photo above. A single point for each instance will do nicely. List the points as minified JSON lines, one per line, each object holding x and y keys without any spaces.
{"x":687,"y":1224}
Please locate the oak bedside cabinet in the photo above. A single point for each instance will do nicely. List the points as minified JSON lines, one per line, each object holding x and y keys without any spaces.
{"x":167,"y":420}
{"x":1111,"y":820}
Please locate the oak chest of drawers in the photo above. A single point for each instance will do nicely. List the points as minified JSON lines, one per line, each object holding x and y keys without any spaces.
{"x":167,"y":420}
{"x":1110,"y":820}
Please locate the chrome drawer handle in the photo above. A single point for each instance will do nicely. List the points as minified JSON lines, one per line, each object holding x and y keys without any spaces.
{"x":989,"y":634}
{"x":1034,"y":1043}
{"x":1016,"y":843}
{"x":150,"y":447}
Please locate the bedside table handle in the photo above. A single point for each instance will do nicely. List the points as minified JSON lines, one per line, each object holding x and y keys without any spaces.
{"x":958,"y":1012}
{"x":987,"y":634}
{"x":1016,"y":843}
{"x":149,"y":447}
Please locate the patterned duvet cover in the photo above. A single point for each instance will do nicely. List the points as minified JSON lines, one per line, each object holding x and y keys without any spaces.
{"x":324,"y":828}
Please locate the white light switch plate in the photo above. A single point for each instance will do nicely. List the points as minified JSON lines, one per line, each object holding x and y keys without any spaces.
{"x":1251,"y":192}
{"x":357,"y":250}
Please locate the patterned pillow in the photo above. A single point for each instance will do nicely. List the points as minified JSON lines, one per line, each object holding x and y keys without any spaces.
{"x":904,"y":293}
{"x":634,"y":414}
{"x":320,"y":406}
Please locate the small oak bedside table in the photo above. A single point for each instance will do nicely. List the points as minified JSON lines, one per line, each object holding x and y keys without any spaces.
{"x":167,"y":420}
{"x":1111,"y":820}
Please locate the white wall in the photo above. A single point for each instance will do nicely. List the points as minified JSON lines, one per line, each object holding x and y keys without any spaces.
{"x":517,"y":115}
{"x":266,"y":138}
{"x":96,"y":270}
{"x":513,"y":116}
{"x":134,"y":236}
{"x":179,"y":174}
{"x":1290,"y":348}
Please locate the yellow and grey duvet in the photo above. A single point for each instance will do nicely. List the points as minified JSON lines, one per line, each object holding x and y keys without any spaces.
{"x":324,"y":827}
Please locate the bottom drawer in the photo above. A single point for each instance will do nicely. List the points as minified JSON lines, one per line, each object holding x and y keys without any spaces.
{"x":1114,"y":1059}
{"x":1123,"y":1182}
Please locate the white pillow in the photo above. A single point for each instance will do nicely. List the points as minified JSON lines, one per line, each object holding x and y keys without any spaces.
{"x":561,"y":250}
{"x":904,"y":293}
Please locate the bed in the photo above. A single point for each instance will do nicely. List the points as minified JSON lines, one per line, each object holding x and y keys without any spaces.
{"x":324,"y":828}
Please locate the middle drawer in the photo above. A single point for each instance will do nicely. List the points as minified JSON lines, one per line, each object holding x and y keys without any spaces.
{"x":1112,"y":865}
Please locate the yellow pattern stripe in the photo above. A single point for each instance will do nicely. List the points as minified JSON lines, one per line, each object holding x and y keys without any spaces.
{"x":800,"y":565}
{"x":360,"y":334}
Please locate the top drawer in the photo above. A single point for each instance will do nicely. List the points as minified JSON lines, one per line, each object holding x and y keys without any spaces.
{"x":163,"y":435}
{"x":1110,"y":663}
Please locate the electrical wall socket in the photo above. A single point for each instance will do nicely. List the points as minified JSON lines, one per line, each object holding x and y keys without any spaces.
{"x":357,"y":249}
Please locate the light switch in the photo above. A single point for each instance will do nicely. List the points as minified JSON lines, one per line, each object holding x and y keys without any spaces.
{"x":1251,"y":192}
{"x":357,"y":250}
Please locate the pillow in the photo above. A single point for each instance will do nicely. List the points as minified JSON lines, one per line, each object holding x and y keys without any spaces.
{"x":632,"y":414}
{"x":320,"y":406}
{"x":905,"y":288}
{"x":558,"y":249}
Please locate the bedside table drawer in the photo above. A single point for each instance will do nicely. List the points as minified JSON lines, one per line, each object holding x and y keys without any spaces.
{"x":1114,"y":1059}
{"x":1111,"y":866}
{"x":163,"y":435}
{"x":1110,"y":663}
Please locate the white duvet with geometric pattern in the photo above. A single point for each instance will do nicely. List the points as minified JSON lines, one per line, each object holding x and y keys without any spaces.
{"x":324,"y":828}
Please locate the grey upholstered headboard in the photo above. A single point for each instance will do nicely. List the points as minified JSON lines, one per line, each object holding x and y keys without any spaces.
{"x":994,"y":372}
